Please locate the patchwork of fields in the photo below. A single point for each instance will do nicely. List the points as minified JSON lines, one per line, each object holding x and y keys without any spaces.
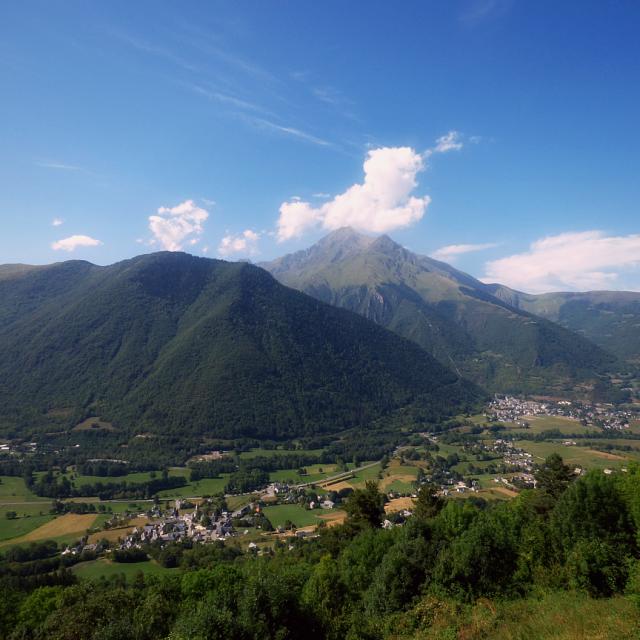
{"x":29,"y":518}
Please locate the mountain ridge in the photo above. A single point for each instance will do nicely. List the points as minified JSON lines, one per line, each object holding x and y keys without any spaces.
{"x":611,"y":319}
{"x":172,"y":343}
{"x":448,"y":312}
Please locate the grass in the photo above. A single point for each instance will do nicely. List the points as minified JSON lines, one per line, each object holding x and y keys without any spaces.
{"x":235,"y":502}
{"x":63,"y":528}
{"x":315,"y":473}
{"x":21,"y":526}
{"x":98,"y":568}
{"x":573,"y":455}
{"x":399,"y":486}
{"x":278,"y":514}
{"x":269,"y":453}
{"x":361,"y":477}
{"x":539,"y":424}
{"x":139,"y":477}
{"x":14,"y":489}
{"x":557,"y":616}
{"x":206,"y":486}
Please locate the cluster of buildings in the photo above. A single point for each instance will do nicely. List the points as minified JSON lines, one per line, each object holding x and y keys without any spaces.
{"x":175,"y":526}
{"x":512,"y":456}
{"x":514,"y":409}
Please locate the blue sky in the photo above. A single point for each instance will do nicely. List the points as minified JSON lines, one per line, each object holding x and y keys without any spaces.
{"x":500,"y":135}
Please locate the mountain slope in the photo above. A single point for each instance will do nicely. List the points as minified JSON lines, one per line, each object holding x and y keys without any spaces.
{"x":449,"y":313}
{"x":176,"y":344}
{"x":611,"y":319}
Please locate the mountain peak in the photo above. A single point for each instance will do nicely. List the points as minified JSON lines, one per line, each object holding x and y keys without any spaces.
{"x":385,"y":244}
{"x":345,"y":237}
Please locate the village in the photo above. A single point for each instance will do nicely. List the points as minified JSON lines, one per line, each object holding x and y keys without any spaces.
{"x":513,"y":409}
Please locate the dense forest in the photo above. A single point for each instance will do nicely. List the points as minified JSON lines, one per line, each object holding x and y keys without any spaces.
{"x":456,"y":568}
{"x":176,"y":347}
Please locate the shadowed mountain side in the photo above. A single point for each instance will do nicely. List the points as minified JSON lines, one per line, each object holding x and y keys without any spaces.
{"x":611,"y":319}
{"x":169,"y":342}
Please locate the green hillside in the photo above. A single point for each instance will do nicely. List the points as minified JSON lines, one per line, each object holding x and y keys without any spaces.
{"x":611,"y":319}
{"x":172,"y":344}
{"x":448,"y":313}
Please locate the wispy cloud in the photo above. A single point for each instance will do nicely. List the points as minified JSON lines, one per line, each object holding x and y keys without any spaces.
{"x":228,"y":99}
{"x":60,"y":166}
{"x":478,"y":11}
{"x":152,"y":49}
{"x":206,"y":78}
{"x":451,"y":141}
{"x":289,"y":131}
{"x":56,"y":222}
{"x":452,"y":251}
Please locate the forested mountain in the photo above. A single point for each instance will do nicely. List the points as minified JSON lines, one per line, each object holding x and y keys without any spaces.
{"x":611,"y":319}
{"x":171,"y":343}
{"x":450,"y":314}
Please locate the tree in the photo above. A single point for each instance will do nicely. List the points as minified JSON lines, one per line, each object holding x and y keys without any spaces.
{"x":366,"y":506}
{"x":553,"y":476}
{"x":428,"y":504}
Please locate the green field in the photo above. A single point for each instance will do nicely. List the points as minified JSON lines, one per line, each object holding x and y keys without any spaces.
{"x":399,"y":486}
{"x":98,"y":568}
{"x":14,"y":528}
{"x":204,"y":487}
{"x":566,"y":426}
{"x":268,"y":453}
{"x":573,"y":455}
{"x":13,"y":489}
{"x":278,"y":514}
{"x":314,"y":474}
{"x":361,"y":477}
{"x":137,"y":477}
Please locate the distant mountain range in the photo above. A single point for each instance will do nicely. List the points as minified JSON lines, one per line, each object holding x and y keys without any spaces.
{"x":501,"y":342}
{"x":171,"y":343}
{"x":611,"y":319}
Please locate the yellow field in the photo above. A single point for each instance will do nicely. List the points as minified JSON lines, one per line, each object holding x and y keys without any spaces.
{"x":112,"y":535}
{"x":338,"y":486}
{"x":333,"y":517}
{"x":605,"y":455}
{"x":68,"y":524}
{"x":398,"y":504}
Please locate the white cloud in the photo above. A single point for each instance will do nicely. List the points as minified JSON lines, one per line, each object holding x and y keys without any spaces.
{"x":569,"y":261}
{"x":73,"y":242}
{"x":449,"y":142}
{"x":321,"y":196}
{"x":452,"y":251}
{"x":382,"y":202}
{"x":245,"y":242}
{"x":56,"y":222}
{"x":172,"y":227}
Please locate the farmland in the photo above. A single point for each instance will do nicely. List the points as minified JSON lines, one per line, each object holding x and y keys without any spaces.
{"x":13,"y":490}
{"x":98,"y":568}
{"x":64,"y":528}
{"x":280,"y":513}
